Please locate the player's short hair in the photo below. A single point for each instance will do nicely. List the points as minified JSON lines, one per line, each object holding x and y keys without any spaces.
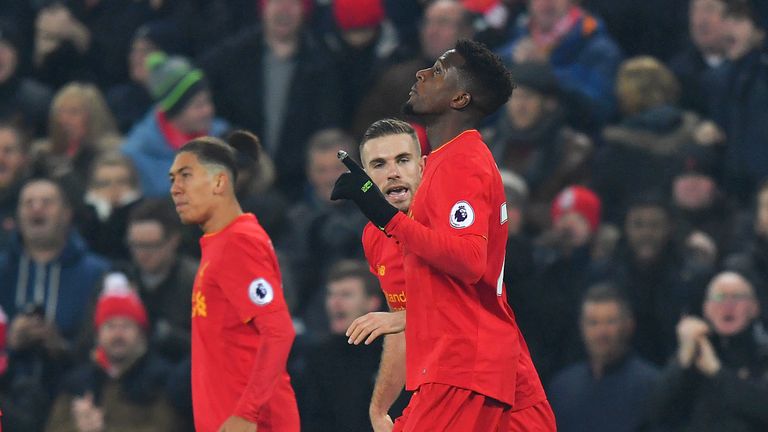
{"x":352,"y":268}
{"x":225,"y":153}
{"x":387,"y":127}
{"x":606,"y":292}
{"x":157,"y":210}
{"x":485,"y":76}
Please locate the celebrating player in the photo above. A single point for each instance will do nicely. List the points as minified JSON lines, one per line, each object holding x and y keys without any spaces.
{"x":391,"y":155}
{"x":466,"y":359}
{"x":241,"y":329}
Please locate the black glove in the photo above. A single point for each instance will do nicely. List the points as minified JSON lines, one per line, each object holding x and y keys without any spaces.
{"x":355,"y":185}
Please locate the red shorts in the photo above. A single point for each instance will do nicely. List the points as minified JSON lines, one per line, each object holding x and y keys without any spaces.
{"x":443,"y":408}
{"x":439,"y":407}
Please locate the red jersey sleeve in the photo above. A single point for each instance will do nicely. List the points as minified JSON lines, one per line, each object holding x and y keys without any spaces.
{"x":455,"y":240}
{"x":251,"y":278}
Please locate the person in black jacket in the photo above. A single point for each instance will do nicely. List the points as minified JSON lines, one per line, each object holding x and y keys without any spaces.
{"x":718,"y":379}
{"x":276,"y":81}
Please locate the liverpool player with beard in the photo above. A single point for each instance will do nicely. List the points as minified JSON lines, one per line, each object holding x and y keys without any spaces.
{"x":466,"y":359}
{"x":391,"y":156}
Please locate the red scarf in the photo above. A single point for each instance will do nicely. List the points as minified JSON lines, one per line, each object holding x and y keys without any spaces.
{"x":173,"y":136}
{"x":547,"y":40}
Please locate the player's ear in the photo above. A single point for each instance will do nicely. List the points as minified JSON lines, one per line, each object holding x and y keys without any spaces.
{"x":461,"y":100}
{"x":422,"y":164}
{"x":220,"y":183}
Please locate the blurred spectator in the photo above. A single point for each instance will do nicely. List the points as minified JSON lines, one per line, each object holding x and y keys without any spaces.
{"x":23,"y":101}
{"x":563,"y":273}
{"x":164,"y":275}
{"x":336,"y":367}
{"x":323,"y":231}
{"x":697,"y":66}
{"x":22,"y":401}
{"x":80,"y":128}
{"x":113,"y":190}
{"x":741,"y":110}
{"x":86,"y":40}
{"x":47,"y":281}
{"x":518,"y":265}
{"x":256,"y":191}
{"x":703,"y":212}
{"x":582,"y":53}
{"x":121,"y":387}
{"x":649,"y":27}
{"x":13,"y":172}
{"x":533,"y":140}
{"x":718,"y":379}
{"x":610,"y":390}
{"x":659,"y":277}
{"x":753,"y":260}
{"x":183,"y":111}
{"x":359,"y":40}
{"x":641,"y":152}
{"x":277,"y":81}
{"x":444,"y":22}
{"x":130,"y":100}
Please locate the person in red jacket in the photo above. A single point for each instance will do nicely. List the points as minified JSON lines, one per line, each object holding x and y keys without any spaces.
{"x":466,"y":359}
{"x":241,"y":329}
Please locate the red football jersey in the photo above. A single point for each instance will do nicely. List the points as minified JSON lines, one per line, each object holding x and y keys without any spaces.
{"x":385,"y":258}
{"x":460,"y":330}
{"x":241,"y":332}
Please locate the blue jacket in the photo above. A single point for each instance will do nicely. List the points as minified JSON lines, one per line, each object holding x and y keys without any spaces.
{"x":152,"y":154}
{"x":585,"y":62}
{"x":66,"y":286}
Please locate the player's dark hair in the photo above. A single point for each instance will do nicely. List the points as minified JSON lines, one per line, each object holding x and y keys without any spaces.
{"x":387,"y":127}
{"x":605,"y":292}
{"x":351,"y":268}
{"x":225,"y":153}
{"x":487,"y":79}
{"x":157,"y":210}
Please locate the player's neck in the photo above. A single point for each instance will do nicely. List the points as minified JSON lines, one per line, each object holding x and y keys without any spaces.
{"x":444,"y":129}
{"x":222,"y":217}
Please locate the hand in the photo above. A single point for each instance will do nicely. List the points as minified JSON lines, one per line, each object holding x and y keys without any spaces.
{"x":689,"y":331}
{"x":527,"y":51}
{"x":25,"y":331}
{"x":702,"y":248}
{"x":88,"y":417}
{"x":381,"y":422}
{"x":355,"y":185}
{"x":375,"y":324}
{"x":238,"y":424}
{"x":707,"y":361}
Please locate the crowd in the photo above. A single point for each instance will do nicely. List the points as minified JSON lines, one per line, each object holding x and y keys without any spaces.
{"x":634,"y":153}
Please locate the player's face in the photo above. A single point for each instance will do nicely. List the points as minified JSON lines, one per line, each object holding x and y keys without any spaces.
{"x":606,"y":330}
{"x":393,"y":162}
{"x":192,"y":189}
{"x":435,"y":87}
